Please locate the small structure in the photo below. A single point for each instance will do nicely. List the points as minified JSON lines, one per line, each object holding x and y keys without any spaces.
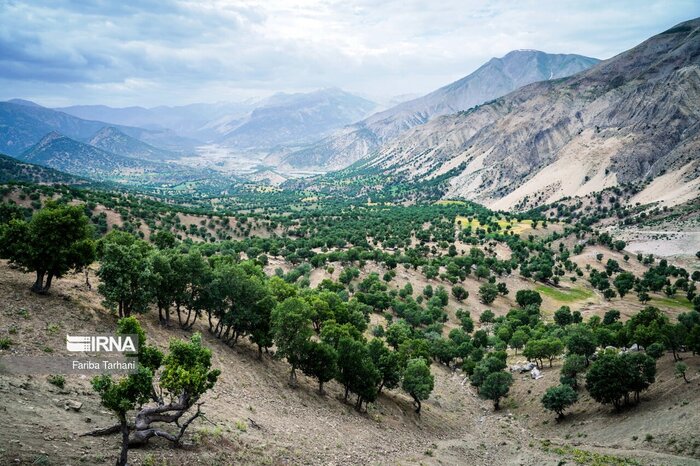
{"x":536,"y":374}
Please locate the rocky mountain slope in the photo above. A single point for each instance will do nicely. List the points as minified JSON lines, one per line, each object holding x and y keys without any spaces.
{"x":634,"y":117}
{"x":495,"y":78}
{"x":289,"y":119}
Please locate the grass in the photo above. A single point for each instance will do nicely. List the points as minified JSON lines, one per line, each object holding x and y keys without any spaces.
{"x":448,"y":202}
{"x":579,"y":456}
{"x":515,"y":227}
{"x":567,"y":296}
{"x":672,"y":302}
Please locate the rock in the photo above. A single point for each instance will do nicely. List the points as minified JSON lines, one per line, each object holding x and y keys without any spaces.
{"x":74,"y":405}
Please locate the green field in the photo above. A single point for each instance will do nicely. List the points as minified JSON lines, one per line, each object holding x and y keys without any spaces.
{"x":672,"y":302}
{"x":567,"y":296}
{"x":515,"y":226}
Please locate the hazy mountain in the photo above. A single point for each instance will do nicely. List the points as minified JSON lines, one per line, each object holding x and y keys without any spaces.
{"x":633,"y":117}
{"x":13,"y":170}
{"x":23,"y":124}
{"x":495,"y":78}
{"x":292,"y":119}
{"x":112,"y":140}
{"x":187,"y":120}
{"x":63,"y":153}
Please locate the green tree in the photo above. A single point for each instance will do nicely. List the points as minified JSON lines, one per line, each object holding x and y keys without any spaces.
{"x":488,"y":293}
{"x":125,"y":394}
{"x":356,"y":371}
{"x":562,"y":316}
{"x":624,"y":282}
{"x":518,"y":339}
{"x":125,"y":273}
{"x":418,"y":381}
{"x":460,"y":293}
{"x":496,"y":386}
{"x":574,"y":364}
{"x":681,"y":369}
{"x":319,"y":360}
{"x":526,"y":298}
{"x":559,"y":398}
{"x":56,"y":240}
{"x":387,"y":362}
{"x":540,"y":349}
{"x":465,"y":320}
{"x":291,"y":327}
{"x":605,"y":380}
{"x":487,"y":316}
{"x":581,"y":340}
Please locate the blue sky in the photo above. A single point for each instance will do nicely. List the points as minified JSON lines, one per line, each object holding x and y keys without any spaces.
{"x":153,"y":52}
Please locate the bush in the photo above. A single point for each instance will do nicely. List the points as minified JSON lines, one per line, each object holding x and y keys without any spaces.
{"x":5,"y":343}
{"x":57,"y":380}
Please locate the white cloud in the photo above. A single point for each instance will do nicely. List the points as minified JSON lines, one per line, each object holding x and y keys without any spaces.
{"x":168,"y":52}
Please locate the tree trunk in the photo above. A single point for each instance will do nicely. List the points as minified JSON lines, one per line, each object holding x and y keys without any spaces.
{"x":320,"y":388}
{"x":47,"y":286}
{"x":496,"y":405}
{"x":39,"y":283}
{"x":124,"y":427}
{"x":416,"y":403}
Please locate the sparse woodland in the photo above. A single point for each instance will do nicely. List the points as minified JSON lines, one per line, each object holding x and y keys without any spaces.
{"x":213,"y":276}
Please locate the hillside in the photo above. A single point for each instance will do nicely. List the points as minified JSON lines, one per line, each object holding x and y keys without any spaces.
{"x":65,"y":154}
{"x":110,"y":139}
{"x":630,"y":118}
{"x":254,"y":417}
{"x":495,"y":78}
{"x":13,"y":170}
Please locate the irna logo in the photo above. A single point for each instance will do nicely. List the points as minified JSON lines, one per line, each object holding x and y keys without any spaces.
{"x":102,"y":343}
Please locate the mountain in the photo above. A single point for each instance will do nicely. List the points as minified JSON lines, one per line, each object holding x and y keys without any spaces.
{"x":13,"y":170}
{"x":495,"y":78}
{"x":188,"y":120}
{"x":23,"y":124}
{"x":293,"y":119}
{"x":110,"y":139}
{"x":63,"y":153}
{"x":632,"y":118}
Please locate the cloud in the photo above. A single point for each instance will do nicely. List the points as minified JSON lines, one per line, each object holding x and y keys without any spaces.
{"x":169,"y":51}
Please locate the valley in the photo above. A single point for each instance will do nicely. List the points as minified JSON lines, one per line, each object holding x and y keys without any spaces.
{"x":500,"y":270}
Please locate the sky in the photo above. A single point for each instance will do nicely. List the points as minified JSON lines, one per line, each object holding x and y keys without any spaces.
{"x":172,"y":52}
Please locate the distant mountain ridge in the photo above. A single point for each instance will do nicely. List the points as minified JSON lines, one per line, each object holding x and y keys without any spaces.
{"x":292,"y":119}
{"x":634,"y":117}
{"x":24,"y":123}
{"x":495,"y":78}
{"x":114,"y":141}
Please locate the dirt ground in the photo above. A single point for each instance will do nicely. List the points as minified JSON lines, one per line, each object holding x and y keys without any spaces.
{"x":297,"y":426}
